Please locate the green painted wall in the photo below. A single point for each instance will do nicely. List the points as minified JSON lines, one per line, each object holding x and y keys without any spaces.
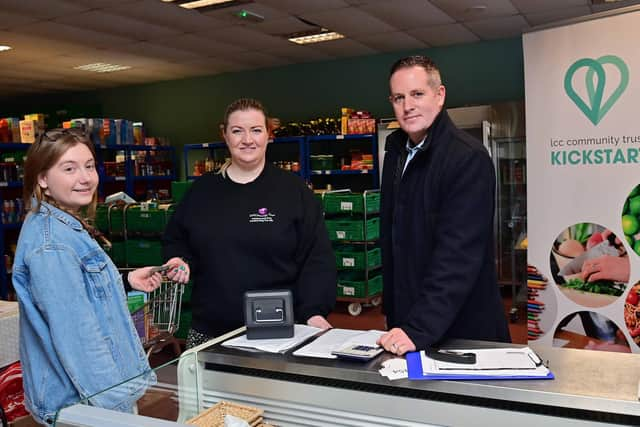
{"x":189,"y":110}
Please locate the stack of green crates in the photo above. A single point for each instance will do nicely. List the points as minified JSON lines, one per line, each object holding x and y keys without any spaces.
{"x":354,"y":228}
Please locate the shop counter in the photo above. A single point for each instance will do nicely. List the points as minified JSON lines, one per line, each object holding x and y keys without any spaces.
{"x":591,"y":389}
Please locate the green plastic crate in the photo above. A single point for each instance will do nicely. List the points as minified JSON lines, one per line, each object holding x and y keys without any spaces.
{"x":116,"y":220}
{"x":343,"y":202}
{"x":152,"y":220}
{"x":321,"y":162}
{"x":353,"y":258}
{"x":118,"y":253}
{"x":142,"y":252}
{"x":353,"y":229}
{"x":355,"y":286}
{"x":102,"y":218}
{"x":178,"y":190}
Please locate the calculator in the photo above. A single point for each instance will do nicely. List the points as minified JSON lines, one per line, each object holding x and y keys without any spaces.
{"x":359,"y":352}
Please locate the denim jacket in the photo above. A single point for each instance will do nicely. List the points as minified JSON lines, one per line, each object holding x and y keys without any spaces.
{"x":76,"y":335}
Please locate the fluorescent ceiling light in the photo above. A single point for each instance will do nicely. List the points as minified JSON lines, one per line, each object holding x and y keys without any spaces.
{"x":3,"y":48}
{"x":324,"y":36}
{"x":202,"y":3}
{"x":101,"y":67}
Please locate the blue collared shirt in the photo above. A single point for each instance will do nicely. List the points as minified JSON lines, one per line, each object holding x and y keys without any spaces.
{"x":412,"y":150}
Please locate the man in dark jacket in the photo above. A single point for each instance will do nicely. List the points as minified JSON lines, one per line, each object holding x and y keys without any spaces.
{"x":438,"y":189}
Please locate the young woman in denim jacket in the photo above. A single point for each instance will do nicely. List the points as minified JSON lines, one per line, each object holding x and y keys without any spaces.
{"x":76,"y":335}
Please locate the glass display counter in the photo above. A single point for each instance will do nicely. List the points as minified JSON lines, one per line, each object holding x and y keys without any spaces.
{"x":590,"y":389}
{"x":160,"y":405}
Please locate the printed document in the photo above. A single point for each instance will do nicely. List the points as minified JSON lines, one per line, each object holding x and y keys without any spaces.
{"x":301,"y":333}
{"x":505,"y":362}
{"x":337,"y":339}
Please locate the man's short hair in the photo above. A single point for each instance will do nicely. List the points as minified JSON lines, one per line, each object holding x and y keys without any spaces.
{"x":419,"y":61}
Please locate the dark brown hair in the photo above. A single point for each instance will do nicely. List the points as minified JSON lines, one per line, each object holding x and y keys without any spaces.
{"x":42,"y":156}
{"x":419,"y":61}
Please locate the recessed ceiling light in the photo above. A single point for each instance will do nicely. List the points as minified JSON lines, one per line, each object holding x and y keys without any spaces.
{"x":101,"y":67}
{"x":315,"y":37}
{"x":3,"y":48}
{"x":202,"y":3}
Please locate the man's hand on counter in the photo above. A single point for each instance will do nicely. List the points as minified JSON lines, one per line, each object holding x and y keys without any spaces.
{"x":397,"y":342}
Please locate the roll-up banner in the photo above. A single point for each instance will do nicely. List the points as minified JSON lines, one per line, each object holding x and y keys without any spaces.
{"x":582,"y":89}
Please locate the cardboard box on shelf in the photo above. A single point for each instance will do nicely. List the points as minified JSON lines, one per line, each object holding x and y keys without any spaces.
{"x":361,"y":126}
{"x":28,"y":131}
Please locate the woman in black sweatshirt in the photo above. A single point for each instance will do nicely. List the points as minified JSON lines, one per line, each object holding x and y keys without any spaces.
{"x":250,"y":226}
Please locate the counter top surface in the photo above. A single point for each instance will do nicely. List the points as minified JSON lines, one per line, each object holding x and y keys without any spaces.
{"x":591,"y":381}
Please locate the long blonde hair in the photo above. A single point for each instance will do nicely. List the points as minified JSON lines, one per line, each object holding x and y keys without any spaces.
{"x":242,"y":104}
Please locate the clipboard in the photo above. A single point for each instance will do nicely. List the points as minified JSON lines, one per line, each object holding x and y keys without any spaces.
{"x":414,"y":368}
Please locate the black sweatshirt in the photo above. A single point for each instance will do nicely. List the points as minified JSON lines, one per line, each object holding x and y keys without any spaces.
{"x":266,"y":234}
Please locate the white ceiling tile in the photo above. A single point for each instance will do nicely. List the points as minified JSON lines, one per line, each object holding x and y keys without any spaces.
{"x":296,"y":7}
{"x":349,"y":21}
{"x":104,"y":56}
{"x":608,"y":6}
{"x":56,"y":31}
{"x":167,"y":14}
{"x":392,"y":42}
{"x":540,"y":18}
{"x":283,"y":26}
{"x":42,"y":9}
{"x":343,"y":48}
{"x":528,"y":6}
{"x":118,"y":25}
{"x":100,"y":4}
{"x":404,"y":14}
{"x":260,"y":59}
{"x":247,"y":38}
{"x":200,"y":45}
{"x":216,"y":65}
{"x":444,"y":35}
{"x":37,"y":46}
{"x":463,"y":10}
{"x":498,"y":28}
{"x":228,"y":14}
{"x":10,"y":20}
{"x":154,"y":50}
{"x":298,"y":53}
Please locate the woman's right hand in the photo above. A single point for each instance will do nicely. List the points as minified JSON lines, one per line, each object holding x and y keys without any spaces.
{"x":179,"y":271}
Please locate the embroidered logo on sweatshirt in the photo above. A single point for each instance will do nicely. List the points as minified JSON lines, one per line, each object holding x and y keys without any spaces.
{"x":263,"y":215}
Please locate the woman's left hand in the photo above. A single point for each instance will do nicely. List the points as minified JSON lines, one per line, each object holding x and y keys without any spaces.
{"x":318,"y":321}
{"x":143,"y":279}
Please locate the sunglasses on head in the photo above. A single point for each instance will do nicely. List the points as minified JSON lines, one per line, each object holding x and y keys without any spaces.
{"x":54,"y":134}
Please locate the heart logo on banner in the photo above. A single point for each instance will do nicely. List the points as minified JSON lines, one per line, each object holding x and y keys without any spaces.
{"x":594,"y":108}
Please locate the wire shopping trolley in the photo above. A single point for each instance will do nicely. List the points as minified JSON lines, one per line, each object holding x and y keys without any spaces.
{"x":156,"y":315}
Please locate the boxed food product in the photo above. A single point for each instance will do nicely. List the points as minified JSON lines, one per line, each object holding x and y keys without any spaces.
{"x":28,"y":131}
{"x":361,"y":126}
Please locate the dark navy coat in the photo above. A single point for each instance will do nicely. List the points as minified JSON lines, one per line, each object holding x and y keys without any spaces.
{"x":437,"y":239}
